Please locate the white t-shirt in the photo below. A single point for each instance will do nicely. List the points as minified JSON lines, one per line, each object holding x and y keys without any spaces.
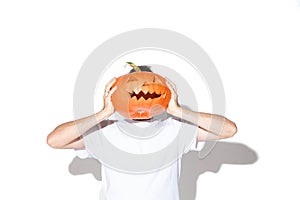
{"x":161,"y":184}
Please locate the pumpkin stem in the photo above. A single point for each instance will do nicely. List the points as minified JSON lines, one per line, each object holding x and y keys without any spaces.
{"x":136,"y":68}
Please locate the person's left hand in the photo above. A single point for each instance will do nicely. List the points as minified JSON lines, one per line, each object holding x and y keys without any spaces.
{"x":173,"y":106}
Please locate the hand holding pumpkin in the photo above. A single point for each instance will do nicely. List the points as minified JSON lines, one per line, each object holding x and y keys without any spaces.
{"x":109,"y":90}
{"x":173,"y":106}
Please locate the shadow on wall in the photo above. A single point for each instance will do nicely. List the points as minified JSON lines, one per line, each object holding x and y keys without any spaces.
{"x":192,"y":166}
{"x":222,"y":153}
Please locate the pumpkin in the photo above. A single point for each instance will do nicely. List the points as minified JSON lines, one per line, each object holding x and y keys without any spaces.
{"x":140,"y":95}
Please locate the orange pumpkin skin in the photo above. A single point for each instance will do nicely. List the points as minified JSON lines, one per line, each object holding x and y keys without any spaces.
{"x":141,"y":95}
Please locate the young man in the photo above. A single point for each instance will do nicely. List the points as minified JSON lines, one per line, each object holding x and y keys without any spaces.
{"x":161,"y":184}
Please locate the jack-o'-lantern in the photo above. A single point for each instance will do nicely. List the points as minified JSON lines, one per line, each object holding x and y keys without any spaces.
{"x":140,"y":95}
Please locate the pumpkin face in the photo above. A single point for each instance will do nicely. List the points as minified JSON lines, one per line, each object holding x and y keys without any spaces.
{"x":141,"y":95}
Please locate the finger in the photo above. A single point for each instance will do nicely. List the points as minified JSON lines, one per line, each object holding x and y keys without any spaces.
{"x":110,"y":83}
{"x":112,"y":91}
{"x":171,"y":85}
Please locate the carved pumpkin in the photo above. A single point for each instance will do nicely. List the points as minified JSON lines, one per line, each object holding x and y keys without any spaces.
{"x":141,"y":95}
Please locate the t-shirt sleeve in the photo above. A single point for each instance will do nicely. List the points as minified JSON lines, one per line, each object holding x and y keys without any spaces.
{"x":190,"y":135}
{"x":84,"y":153}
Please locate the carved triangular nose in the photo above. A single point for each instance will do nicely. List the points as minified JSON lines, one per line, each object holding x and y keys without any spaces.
{"x":131,"y":78}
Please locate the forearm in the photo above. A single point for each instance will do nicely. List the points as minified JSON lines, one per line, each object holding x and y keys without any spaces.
{"x":215,"y":124}
{"x":65,"y":134}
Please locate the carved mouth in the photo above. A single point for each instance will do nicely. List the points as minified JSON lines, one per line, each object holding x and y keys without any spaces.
{"x":146,"y":96}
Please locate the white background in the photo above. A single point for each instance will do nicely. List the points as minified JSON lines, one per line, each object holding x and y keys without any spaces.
{"x":255,"y":46}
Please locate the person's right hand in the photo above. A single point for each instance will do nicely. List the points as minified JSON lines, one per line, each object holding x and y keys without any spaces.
{"x":109,"y":90}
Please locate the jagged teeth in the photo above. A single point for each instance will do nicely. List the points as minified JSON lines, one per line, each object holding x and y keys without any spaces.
{"x":141,"y":94}
{"x":137,"y":90}
{"x":145,"y":90}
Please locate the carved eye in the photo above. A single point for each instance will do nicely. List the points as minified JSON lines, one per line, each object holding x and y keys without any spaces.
{"x":132,"y":79}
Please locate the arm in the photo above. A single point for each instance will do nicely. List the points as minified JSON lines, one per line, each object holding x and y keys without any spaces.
{"x":68,"y":135}
{"x":210,"y":126}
